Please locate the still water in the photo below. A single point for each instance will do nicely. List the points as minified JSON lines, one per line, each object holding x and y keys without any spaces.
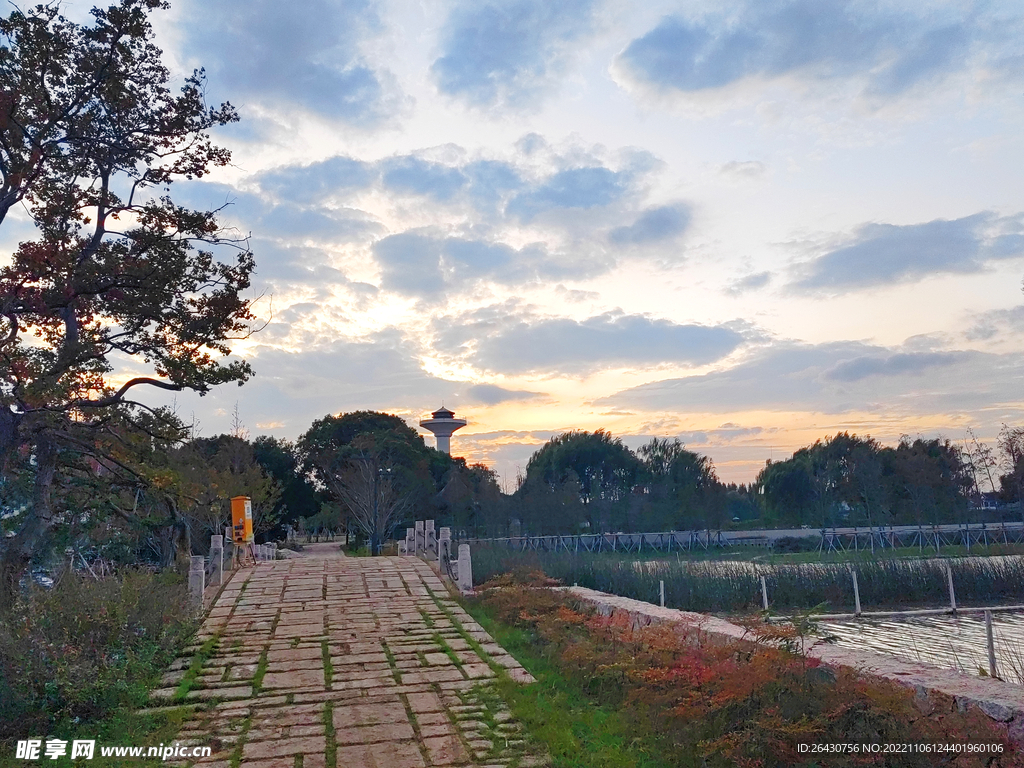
{"x":945,"y":641}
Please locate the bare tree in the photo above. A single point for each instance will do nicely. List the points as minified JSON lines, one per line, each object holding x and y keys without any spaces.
{"x":980,"y":462}
{"x":375,"y":500}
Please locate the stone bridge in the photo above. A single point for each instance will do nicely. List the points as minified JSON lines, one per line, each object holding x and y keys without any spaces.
{"x":326,"y":661}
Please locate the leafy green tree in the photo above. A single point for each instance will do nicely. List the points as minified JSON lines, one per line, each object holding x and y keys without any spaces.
{"x":299,"y":497}
{"x":681,"y":486}
{"x":374,"y":464}
{"x":606,"y":471}
{"x":930,"y":481}
{"x":1011,"y":448}
{"x":91,"y":140}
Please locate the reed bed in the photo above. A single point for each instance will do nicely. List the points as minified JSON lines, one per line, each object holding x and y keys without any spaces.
{"x":735,"y":587}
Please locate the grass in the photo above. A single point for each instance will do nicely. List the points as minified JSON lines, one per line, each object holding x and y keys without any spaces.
{"x":577,"y":732}
{"x":734,"y":587}
{"x":195,"y":668}
{"x":331,"y":752}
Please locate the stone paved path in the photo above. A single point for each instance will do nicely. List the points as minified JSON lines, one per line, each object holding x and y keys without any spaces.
{"x":333,"y":662}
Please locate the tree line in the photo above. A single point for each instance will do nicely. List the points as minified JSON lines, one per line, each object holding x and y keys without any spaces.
{"x":582,"y":482}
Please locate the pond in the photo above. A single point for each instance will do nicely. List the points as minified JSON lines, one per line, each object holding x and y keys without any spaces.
{"x":951,"y":642}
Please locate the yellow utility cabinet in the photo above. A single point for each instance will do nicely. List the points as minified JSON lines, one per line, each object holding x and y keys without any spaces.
{"x":241,"y":519}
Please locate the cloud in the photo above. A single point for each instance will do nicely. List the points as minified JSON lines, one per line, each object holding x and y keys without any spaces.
{"x":291,"y":388}
{"x":726,"y":433}
{"x":892,"y":51}
{"x":653,"y":225}
{"x":505,"y":192}
{"x":508,"y":54}
{"x":492,"y":394}
{"x":505,"y":340}
{"x":250,"y":212}
{"x":410,"y":264}
{"x":283,"y":266}
{"x":317,"y":181}
{"x":425,"y":264}
{"x":838,"y":377}
{"x":898,"y":364}
{"x":589,"y":187}
{"x":880,"y":254}
{"x":417,"y":176}
{"x":749,"y":283}
{"x":996,"y":322}
{"x":268,"y":52}
{"x":749,"y":169}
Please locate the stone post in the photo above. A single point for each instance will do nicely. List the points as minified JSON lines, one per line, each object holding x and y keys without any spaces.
{"x":217,"y":559}
{"x":410,"y":541}
{"x":197,"y":581}
{"x":419,"y":538}
{"x":401,"y":547}
{"x":465,"y":569}
{"x":444,"y":548}
{"x":429,"y":538}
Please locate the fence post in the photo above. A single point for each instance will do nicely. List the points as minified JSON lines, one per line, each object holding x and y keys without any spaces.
{"x":444,"y":548}
{"x":991,"y":644}
{"x":764,"y":593}
{"x":661,"y":592}
{"x":465,"y":568}
{"x":429,"y":538}
{"x":196,"y":581}
{"x":217,"y":559}
{"x":856,"y":593}
{"x":952,"y":594}
{"x":419,"y":537}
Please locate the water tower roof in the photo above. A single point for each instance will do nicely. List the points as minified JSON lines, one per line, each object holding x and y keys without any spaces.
{"x":443,"y":413}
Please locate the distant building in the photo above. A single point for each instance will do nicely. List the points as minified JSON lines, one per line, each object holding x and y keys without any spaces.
{"x":443,"y":424}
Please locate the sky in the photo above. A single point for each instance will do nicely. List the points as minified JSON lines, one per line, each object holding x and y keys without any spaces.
{"x":744,"y":224}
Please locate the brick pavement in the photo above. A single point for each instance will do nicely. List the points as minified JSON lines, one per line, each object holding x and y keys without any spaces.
{"x":332,"y":662}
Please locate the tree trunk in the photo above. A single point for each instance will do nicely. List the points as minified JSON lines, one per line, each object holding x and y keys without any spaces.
{"x":35,"y":529}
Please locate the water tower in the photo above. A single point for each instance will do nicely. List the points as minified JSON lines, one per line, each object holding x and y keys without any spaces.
{"x":443,"y":423}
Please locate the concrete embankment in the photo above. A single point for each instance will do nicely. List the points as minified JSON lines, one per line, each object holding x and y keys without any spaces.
{"x":936,"y":688}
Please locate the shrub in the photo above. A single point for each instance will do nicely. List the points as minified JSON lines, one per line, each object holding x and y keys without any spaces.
{"x":795,"y":544}
{"x":84,"y":647}
{"x":748,"y":703}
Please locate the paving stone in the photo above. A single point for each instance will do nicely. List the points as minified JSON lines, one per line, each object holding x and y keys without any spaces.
{"x":431,"y":676}
{"x":256,"y":750}
{"x":372,"y":734}
{"x":520,"y":675}
{"x":296,"y":679}
{"x":425,"y":702}
{"x":477,"y":671}
{"x":292,"y":654}
{"x":402,"y":754}
{"x":242,"y":692}
{"x":436,"y":659}
{"x":445,"y":750}
{"x":300,"y":630}
{"x":431,"y":718}
{"x":369,"y":714}
{"x":440,"y":729}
